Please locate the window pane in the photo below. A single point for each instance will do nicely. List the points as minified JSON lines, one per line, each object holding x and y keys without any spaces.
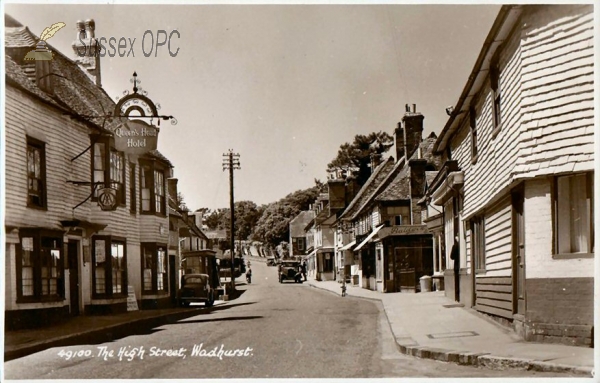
{"x":148,"y":263}
{"x":573,"y":214}
{"x":100,"y":266}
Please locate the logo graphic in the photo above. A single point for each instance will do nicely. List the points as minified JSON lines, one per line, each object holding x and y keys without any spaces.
{"x":41,"y":51}
{"x":107,"y":199}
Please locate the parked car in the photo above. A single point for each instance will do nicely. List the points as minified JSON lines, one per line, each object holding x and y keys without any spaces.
{"x":271,"y":261}
{"x":290,"y":271}
{"x":196,"y":288}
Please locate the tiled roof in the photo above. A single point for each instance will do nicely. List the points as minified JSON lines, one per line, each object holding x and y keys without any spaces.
{"x":17,"y":76}
{"x":160,"y":156}
{"x":19,"y":37}
{"x":298,"y":224}
{"x":73,"y":90}
{"x":365,"y":193}
{"x":399,"y":188}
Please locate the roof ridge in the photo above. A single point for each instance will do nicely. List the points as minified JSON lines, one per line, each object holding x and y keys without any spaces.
{"x":364,"y":188}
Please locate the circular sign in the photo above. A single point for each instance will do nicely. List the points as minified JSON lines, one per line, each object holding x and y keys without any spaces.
{"x":107,"y":198}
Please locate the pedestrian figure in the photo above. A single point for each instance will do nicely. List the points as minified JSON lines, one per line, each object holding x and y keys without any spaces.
{"x":303,"y":270}
{"x":455,"y":256}
{"x":344,"y":288}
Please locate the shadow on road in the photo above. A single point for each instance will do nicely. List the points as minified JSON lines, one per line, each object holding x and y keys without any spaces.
{"x":220,"y":319}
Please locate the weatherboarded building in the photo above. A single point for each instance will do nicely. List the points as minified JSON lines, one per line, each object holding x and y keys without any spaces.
{"x":64,"y":254}
{"x":517,"y":185}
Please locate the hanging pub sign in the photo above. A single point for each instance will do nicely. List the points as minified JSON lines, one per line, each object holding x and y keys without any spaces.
{"x":136,"y":137}
{"x":107,"y":199}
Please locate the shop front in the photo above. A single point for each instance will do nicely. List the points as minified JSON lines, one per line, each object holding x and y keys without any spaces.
{"x":408,"y":255}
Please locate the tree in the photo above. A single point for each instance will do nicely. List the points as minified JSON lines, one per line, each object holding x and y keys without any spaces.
{"x":181,"y":202}
{"x":355,"y":158}
{"x":273,"y":225}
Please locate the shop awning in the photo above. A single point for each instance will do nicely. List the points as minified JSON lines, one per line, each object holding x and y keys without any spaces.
{"x":373,"y":233}
{"x":348,"y":246}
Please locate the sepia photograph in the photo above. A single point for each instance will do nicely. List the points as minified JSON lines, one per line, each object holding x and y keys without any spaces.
{"x":323,"y":190}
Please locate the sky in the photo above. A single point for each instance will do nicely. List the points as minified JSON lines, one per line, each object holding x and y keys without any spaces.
{"x":282,"y":85}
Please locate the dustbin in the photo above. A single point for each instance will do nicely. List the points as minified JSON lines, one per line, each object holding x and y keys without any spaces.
{"x":425,"y":283}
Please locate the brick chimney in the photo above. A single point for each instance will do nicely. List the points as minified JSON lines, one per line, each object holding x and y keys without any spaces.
{"x":399,"y":133}
{"x":413,"y":129}
{"x":417,"y":186}
{"x":337,"y":194}
{"x":87,"y":50}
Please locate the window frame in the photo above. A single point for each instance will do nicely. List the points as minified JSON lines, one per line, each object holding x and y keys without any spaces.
{"x":37,"y":236}
{"x":107,"y":168}
{"x":496,"y":95}
{"x":132,"y":189}
{"x":153,"y":167}
{"x":153,"y":248}
{"x":473,"y":128}
{"x":108,"y":269}
{"x":556,"y":254}
{"x":478,"y":244}
{"x":41,"y":146}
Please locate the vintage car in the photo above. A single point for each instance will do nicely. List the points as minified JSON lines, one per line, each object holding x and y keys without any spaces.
{"x":290,"y":271}
{"x":196,"y":288}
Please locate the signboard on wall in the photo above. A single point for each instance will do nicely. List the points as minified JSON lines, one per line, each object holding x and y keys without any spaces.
{"x":136,"y":137}
{"x":403,"y":230}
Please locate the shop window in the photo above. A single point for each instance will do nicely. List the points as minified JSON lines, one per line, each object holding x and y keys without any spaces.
{"x":478,"y":243}
{"x":108,"y":169}
{"x":152,"y":187}
{"x":132,"y":191}
{"x":40,"y":266}
{"x":154,"y":267}
{"x":573,"y":201}
{"x":109,"y":267}
{"x":36,"y":173}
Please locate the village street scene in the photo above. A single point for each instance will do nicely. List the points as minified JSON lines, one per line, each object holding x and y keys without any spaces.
{"x":299,"y":191}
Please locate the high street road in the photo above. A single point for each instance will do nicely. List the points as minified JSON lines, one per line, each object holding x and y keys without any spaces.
{"x":272,"y":330}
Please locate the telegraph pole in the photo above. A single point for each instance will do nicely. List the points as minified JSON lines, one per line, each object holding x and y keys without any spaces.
{"x":231,"y":161}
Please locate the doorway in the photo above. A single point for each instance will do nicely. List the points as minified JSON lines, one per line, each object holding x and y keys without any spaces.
{"x":518,"y":261}
{"x":73,"y":259}
{"x":173,"y":279}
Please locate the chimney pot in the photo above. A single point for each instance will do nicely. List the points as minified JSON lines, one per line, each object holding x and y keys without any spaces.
{"x":414,"y":108}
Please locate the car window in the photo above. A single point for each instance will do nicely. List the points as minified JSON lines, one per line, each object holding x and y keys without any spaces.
{"x":195,"y":279}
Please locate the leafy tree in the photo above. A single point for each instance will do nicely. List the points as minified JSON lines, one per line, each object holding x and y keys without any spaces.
{"x":272,"y":227}
{"x":216,"y":219}
{"x":181,"y":202}
{"x":355,"y":158}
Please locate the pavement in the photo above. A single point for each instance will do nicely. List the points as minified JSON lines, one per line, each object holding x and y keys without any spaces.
{"x":425,"y":325}
{"x":95,"y":329}
{"x":429,"y":325}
